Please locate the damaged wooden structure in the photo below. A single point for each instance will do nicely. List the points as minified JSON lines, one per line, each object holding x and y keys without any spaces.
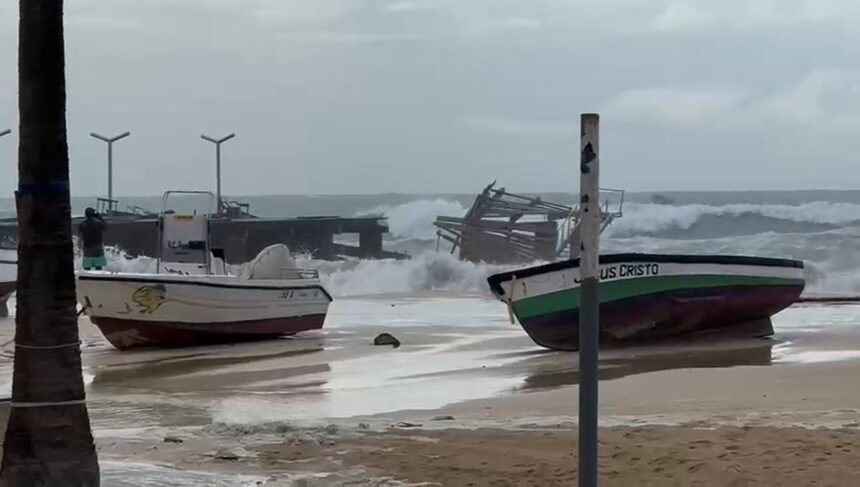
{"x":241,"y":235}
{"x":502,"y":227}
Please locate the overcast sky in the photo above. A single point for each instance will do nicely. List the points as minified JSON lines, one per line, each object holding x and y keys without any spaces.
{"x":371,"y":96}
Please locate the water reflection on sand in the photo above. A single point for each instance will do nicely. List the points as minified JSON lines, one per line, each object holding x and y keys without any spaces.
{"x":455,"y":348}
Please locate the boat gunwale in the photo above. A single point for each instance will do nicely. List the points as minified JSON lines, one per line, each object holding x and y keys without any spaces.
{"x":173,"y":279}
{"x":495,"y":280}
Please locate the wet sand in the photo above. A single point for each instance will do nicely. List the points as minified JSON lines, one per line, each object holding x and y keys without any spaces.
{"x":628,"y":456}
{"x":331,"y":408}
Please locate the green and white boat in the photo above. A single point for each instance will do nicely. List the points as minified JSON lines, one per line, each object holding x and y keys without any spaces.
{"x":649,"y":296}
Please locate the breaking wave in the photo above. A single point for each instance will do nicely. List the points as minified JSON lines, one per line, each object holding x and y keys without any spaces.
{"x":707,"y":221}
{"x":835,"y":271}
{"x":430,"y":271}
{"x":414,"y":220}
{"x":825,"y":235}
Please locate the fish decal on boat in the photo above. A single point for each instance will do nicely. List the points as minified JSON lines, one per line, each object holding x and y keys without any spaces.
{"x":149,"y":298}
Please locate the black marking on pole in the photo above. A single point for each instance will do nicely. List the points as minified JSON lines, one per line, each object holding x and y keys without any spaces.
{"x":586,"y":157}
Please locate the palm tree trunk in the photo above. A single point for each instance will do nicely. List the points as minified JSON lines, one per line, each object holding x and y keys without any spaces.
{"x":48,"y":437}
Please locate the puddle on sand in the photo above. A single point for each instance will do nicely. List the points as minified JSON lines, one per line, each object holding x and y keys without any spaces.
{"x":454,"y":349}
{"x":818,"y":356}
{"x":557,"y":369}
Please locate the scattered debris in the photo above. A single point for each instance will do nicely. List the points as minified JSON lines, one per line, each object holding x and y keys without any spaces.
{"x":443,"y":417}
{"x":502,"y":227}
{"x":232,"y":454}
{"x":386,"y":339}
{"x":363,"y":426}
{"x":273,"y":427}
{"x":228,"y":455}
{"x":406,"y":424}
{"x":173,"y":439}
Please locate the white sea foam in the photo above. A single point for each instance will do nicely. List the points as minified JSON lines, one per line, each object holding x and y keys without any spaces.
{"x":832,"y":257}
{"x":429,"y":271}
{"x":415,"y":218}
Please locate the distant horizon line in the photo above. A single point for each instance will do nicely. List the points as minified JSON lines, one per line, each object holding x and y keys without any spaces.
{"x":393,"y":193}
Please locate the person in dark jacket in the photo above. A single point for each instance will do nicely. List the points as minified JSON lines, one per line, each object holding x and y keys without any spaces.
{"x":92,"y":240}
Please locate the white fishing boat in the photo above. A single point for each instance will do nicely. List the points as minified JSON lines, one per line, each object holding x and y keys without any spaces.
{"x":185,"y":302}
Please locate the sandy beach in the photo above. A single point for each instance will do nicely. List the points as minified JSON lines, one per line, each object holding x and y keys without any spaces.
{"x":470,"y":400}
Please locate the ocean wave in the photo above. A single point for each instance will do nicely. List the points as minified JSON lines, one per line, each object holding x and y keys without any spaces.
{"x":824,"y":235}
{"x":832,"y":264}
{"x":430,"y":271}
{"x":707,"y":221}
{"x":414,"y":220}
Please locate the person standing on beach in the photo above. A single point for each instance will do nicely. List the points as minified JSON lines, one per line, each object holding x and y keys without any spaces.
{"x":92,"y":240}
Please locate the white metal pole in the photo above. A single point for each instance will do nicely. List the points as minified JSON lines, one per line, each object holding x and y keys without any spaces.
{"x":589,"y":313}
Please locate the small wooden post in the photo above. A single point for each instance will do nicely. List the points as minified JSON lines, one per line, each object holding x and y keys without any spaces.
{"x":589,"y":236}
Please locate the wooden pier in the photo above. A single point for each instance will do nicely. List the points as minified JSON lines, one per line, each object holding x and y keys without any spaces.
{"x":243,"y":238}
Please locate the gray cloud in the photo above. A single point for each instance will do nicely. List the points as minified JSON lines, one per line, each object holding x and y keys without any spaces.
{"x":338,"y":96}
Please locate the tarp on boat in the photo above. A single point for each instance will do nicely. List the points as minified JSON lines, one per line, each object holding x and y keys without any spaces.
{"x":273,"y":262}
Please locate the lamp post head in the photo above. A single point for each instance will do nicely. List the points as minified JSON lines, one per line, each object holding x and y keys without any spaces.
{"x":217,"y":141}
{"x":109,"y":139}
{"x":5,"y":132}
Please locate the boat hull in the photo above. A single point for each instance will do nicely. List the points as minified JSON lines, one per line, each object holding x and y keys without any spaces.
{"x":125,"y":334}
{"x":165,"y":311}
{"x":658,"y":297}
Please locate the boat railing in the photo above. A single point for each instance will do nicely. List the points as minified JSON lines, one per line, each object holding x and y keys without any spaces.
{"x":296,"y":273}
{"x":611,"y":208}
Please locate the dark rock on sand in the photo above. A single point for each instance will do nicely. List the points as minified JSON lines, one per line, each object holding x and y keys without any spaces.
{"x":227,"y":454}
{"x":386,"y":339}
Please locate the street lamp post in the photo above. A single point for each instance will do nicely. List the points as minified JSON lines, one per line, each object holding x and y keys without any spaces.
{"x":218,"y":143}
{"x":110,"y":141}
